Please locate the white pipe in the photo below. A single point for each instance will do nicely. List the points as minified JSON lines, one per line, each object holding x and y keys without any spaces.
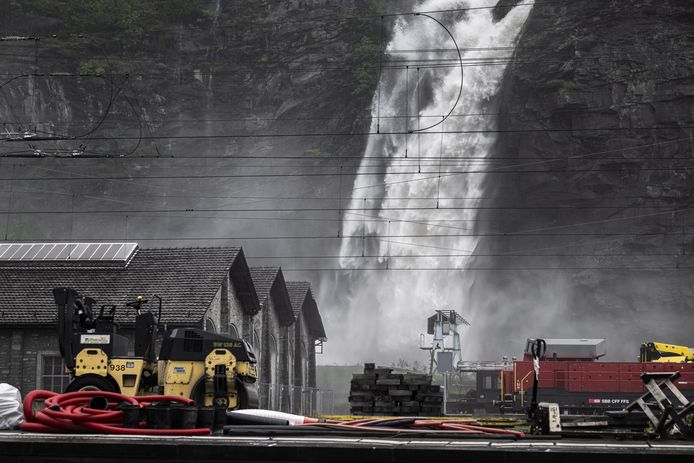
{"x":291,"y":418}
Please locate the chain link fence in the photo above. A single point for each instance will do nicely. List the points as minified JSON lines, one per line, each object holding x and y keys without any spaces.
{"x":307,"y":401}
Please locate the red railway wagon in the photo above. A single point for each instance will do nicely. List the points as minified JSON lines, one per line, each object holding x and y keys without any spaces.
{"x":571,"y":375}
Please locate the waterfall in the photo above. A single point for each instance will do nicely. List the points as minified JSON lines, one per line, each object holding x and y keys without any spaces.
{"x":388,"y":309}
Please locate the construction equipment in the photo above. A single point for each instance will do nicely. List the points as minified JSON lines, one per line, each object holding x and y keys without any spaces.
{"x":665,"y":353}
{"x":211,"y":369}
{"x":667,"y":416}
{"x":538,"y":349}
{"x":574,"y":376}
{"x":661,"y":412}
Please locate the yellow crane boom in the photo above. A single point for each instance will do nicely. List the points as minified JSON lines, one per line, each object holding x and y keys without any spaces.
{"x":665,"y":353}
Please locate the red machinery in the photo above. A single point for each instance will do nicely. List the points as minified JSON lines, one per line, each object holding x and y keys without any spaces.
{"x":571,"y":375}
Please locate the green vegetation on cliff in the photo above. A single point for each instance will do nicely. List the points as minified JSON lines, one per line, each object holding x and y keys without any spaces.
{"x":367,"y":31}
{"x":132,"y":18}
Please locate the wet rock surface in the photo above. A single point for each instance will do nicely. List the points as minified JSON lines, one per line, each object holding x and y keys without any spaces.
{"x":595,"y":159}
{"x":191,"y":79}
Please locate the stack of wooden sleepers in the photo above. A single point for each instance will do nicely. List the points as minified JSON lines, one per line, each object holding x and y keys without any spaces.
{"x":379,"y":391}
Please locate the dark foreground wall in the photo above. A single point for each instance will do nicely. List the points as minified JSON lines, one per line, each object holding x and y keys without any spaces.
{"x":23,"y":353}
{"x":30,"y":358}
{"x":30,"y":448}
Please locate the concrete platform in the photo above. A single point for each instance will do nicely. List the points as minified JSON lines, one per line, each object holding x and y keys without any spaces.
{"x":53,"y":448}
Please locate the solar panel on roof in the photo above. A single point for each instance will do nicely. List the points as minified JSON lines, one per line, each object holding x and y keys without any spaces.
{"x":63,"y":253}
{"x":33,"y":252}
{"x":79,"y":250}
{"x":98,"y":252}
{"x":16,"y":252}
{"x":52,"y":252}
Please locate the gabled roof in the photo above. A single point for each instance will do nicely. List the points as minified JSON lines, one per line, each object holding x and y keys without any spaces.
{"x":240,"y":276}
{"x":269,"y":282}
{"x":303,"y":301}
{"x":187,"y":280}
{"x":263,"y":279}
{"x":297,"y":294}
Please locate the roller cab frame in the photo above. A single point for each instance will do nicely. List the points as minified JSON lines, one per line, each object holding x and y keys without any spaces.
{"x":209,"y":368}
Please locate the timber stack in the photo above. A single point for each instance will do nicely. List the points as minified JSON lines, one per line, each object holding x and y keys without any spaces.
{"x":379,"y":391}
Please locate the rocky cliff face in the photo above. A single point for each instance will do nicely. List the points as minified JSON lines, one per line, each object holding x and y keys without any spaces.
{"x":595,"y":162}
{"x":176,"y":78}
{"x":591,"y":174}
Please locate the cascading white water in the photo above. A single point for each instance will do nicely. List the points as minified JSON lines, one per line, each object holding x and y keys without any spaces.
{"x":388,"y":309}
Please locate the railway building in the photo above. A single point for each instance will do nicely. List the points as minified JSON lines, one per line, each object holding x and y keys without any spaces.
{"x":205,"y":287}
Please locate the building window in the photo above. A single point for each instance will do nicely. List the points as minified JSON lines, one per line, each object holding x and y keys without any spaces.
{"x":209,"y":326}
{"x":290,"y":362}
{"x":52,"y":375}
{"x":257,"y":347}
{"x":255,"y":342}
{"x":233,"y":331}
{"x":274,"y":380}
{"x":488,"y":380}
{"x":274,"y":358}
{"x":304,"y":364}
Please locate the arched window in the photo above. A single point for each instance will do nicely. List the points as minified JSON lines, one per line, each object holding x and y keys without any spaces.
{"x":304,"y":364}
{"x":255,"y":340}
{"x":274,"y":358}
{"x":257,"y":348}
{"x":233,"y":331}
{"x":290,"y":362}
{"x":209,"y":326}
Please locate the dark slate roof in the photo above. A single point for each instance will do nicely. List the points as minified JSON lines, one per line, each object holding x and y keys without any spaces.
{"x":263,"y":279}
{"x":303,"y":301}
{"x":269,"y":281}
{"x":297,"y":294}
{"x":187,"y":280}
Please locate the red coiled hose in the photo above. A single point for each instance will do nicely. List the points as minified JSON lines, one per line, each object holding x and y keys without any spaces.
{"x":68,"y":413}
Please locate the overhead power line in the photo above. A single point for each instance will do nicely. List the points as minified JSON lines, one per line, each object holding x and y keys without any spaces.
{"x":352,"y":134}
{"x":401,"y":157}
{"x":279,"y":162}
{"x":343,"y":209}
{"x":381,"y":237}
{"x":659,"y":268}
{"x":366,"y":117}
{"x":346,"y":199}
{"x":347,"y":174}
{"x":446,"y":256}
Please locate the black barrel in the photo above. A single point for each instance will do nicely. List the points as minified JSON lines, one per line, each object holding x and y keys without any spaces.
{"x":131,"y":415}
{"x":220,"y":418}
{"x":184,"y":417}
{"x":205,"y":417}
{"x":158,"y":416}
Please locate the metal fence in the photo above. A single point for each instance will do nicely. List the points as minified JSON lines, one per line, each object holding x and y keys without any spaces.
{"x":308,"y":401}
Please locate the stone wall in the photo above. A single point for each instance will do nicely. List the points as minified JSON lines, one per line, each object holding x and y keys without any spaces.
{"x":214,"y":313}
{"x":311,"y":346}
{"x":302,"y":343}
{"x":21,"y":363}
{"x":236,"y":315}
{"x":270,"y":335}
{"x":226,"y":310}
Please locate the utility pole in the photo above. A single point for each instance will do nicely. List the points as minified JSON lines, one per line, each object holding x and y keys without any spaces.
{"x":442,"y":324}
